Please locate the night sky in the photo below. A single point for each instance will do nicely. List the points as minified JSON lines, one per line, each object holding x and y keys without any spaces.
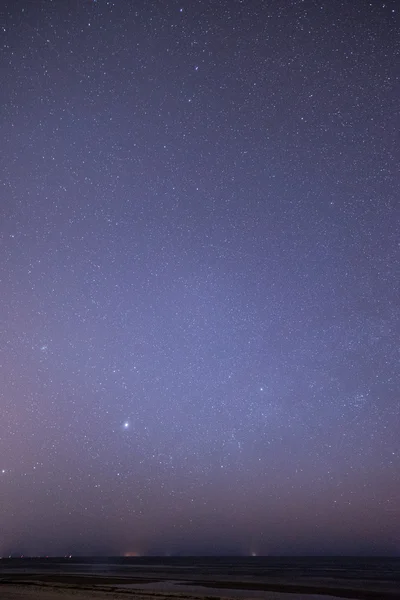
{"x":199,"y":276}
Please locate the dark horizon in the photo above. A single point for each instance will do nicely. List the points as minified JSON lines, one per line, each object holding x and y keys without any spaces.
{"x":140,"y":557}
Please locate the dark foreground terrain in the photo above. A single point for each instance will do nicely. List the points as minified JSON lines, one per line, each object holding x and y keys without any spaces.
{"x":261,"y":578}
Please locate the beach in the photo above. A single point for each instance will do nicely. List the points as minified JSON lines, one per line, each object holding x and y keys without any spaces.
{"x":152,"y":578}
{"x":39,"y":592}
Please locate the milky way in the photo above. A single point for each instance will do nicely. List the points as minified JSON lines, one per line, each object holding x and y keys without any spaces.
{"x":199,"y":266}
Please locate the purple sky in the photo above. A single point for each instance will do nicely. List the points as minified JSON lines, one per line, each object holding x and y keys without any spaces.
{"x":199,"y":270}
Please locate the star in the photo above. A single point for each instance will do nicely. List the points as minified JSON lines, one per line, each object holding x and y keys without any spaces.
{"x":139,"y":316}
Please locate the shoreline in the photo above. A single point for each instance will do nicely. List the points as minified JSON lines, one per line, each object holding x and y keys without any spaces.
{"x":101,"y":587}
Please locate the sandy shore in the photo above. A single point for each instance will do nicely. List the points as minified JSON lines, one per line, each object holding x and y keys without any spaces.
{"x":39,"y":592}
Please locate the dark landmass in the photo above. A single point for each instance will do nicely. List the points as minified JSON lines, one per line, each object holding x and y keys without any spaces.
{"x":357,"y":578}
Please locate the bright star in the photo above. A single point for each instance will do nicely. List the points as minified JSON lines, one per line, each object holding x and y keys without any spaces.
{"x":126,"y":424}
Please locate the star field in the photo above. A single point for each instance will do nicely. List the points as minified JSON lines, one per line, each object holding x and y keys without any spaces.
{"x":199,"y":271}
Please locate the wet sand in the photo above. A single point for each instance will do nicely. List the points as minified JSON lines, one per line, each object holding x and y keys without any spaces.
{"x":200,"y":579}
{"x":39,"y":592}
